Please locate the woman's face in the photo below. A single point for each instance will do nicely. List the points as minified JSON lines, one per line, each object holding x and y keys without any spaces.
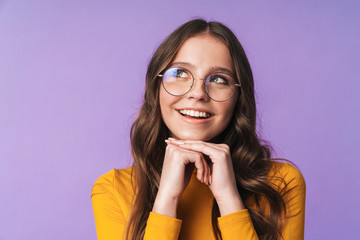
{"x":202,"y":55}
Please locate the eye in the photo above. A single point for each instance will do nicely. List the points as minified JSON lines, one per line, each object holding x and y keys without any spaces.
{"x":219,"y":80}
{"x":176,"y":74}
{"x":180,"y":73}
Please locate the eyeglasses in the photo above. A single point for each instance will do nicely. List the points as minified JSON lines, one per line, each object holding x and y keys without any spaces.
{"x":219,"y":86}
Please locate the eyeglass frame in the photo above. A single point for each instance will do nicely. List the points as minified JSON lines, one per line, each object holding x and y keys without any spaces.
{"x":193,"y":81}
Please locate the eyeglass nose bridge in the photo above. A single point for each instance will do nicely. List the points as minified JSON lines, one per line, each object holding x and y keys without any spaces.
{"x":203,"y":85}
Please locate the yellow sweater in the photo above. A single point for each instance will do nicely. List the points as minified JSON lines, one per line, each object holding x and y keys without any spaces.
{"x":112,"y":195}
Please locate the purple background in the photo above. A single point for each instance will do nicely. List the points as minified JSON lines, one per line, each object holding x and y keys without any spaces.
{"x":72,"y":77}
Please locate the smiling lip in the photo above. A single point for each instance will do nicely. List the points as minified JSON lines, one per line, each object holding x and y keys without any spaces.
{"x":195,"y":115}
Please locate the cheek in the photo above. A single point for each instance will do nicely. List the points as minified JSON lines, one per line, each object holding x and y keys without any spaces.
{"x":234,"y":101}
{"x":166,"y":101}
{"x":163,"y":100}
{"x":228,"y":111}
{"x":228,"y":107}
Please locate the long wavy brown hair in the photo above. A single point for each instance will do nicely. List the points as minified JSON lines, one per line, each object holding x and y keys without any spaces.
{"x":251,"y":156}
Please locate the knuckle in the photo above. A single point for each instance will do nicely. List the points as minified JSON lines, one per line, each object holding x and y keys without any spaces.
{"x":225,"y":146}
{"x":176,"y":152}
{"x":168,"y":148}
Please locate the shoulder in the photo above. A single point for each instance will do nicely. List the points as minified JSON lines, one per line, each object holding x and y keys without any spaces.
{"x":285,"y":174}
{"x":290,"y":183}
{"x":115,"y":181}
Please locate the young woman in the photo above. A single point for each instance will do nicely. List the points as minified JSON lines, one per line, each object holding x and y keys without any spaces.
{"x":200,"y":171}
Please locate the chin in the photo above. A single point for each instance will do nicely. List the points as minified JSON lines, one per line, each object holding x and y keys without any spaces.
{"x":192,"y":136}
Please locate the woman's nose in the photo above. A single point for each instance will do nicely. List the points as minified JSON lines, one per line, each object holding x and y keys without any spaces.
{"x":198,"y":90}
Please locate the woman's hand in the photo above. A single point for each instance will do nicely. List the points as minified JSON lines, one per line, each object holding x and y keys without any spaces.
{"x":176,"y":173}
{"x":222,"y":178}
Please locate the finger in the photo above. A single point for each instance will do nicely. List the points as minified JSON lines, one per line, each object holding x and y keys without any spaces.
{"x":175,"y":146}
{"x":209,"y":166}
{"x":188,"y":145}
{"x":203,"y":168}
{"x":211,"y":151}
{"x":198,"y":161}
{"x":208,"y":162}
{"x":201,"y":165}
{"x":210,"y":174}
{"x":206,"y":171}
{"x":214,"y":145}
{"x":185,"y":144}
{"x":181,"y":142}
{"x":206,"y":158}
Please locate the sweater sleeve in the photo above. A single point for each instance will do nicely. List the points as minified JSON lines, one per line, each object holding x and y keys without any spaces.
{"x":295,"y":204}
{"x":110,"y":220}
{"x":239,"y":225}
{"x":161,"y":227}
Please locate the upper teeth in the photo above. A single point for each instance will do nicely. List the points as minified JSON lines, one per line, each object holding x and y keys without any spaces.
{"x":193,"y":113}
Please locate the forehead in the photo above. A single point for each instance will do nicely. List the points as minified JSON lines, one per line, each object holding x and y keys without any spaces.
{"x":205,"y":52}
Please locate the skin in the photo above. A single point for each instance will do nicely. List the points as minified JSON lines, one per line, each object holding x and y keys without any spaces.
{"x":202,"y":55}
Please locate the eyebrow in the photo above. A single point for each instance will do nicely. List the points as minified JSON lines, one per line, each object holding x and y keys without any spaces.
{"x":212,"y":69}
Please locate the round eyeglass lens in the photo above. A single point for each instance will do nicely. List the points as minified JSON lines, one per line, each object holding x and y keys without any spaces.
{"x":177,"y":81}
{"x":220,"y":86}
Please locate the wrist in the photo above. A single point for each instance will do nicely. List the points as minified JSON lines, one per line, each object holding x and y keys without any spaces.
{"x":165,"y":205}
{"x":230,"y":203}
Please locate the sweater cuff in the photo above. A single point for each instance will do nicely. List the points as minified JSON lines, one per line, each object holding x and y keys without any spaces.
{"x":162,"y":227}
{"x":237,"y":224}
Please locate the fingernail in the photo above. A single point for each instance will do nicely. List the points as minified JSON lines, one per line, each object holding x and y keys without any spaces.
{"x":170,"y":138}
{"x":167,"y":141}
